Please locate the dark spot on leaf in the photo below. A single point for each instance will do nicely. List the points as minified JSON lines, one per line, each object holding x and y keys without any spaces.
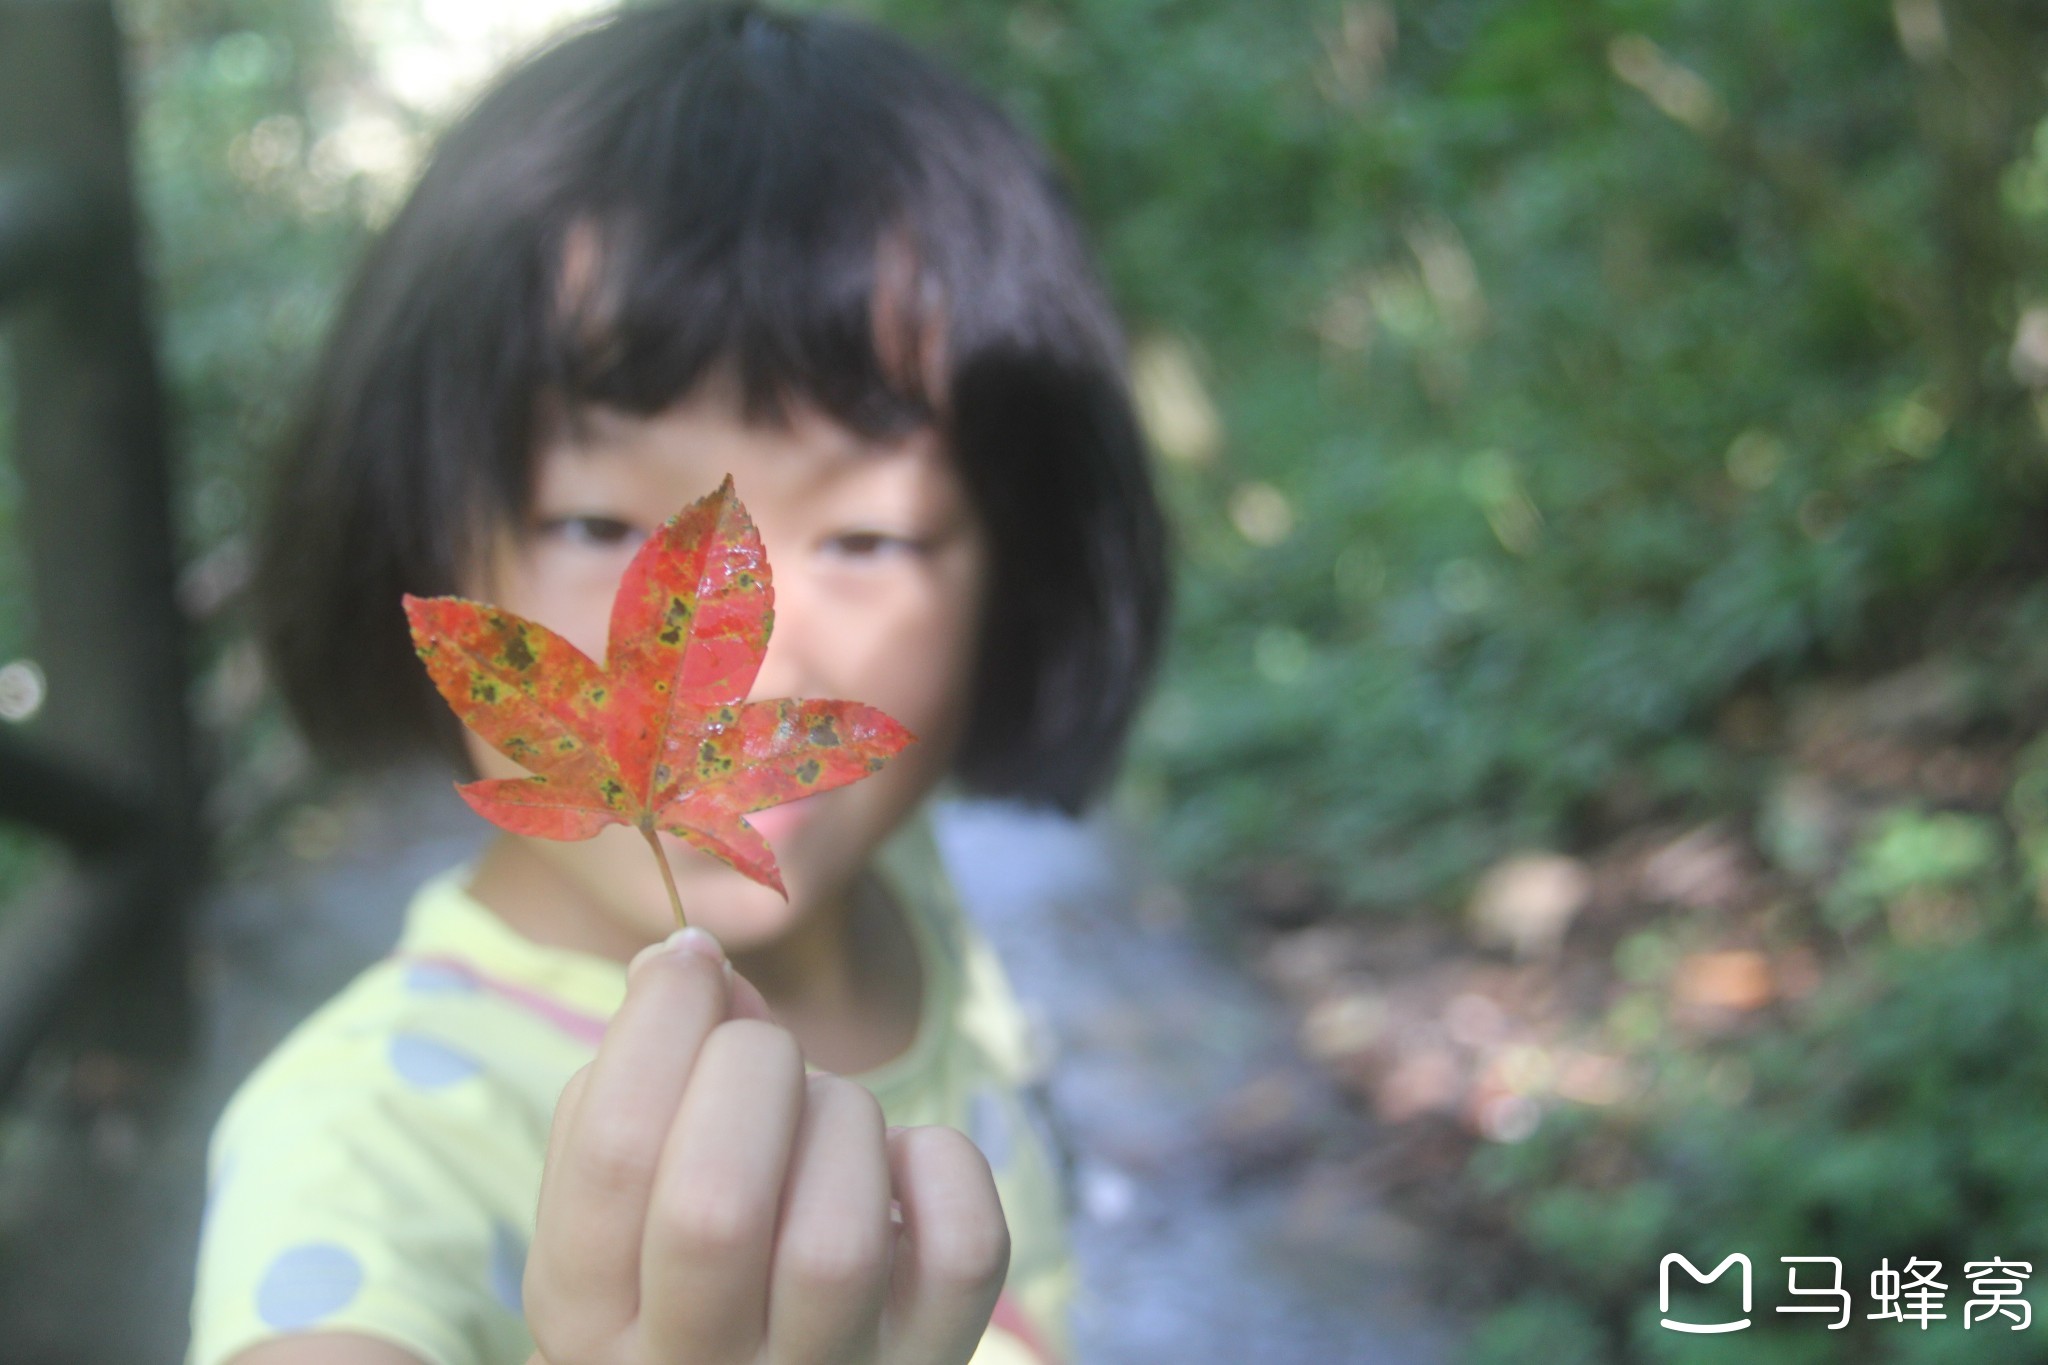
{"x":823,"y":734}
{"x":482,"y":689}
{"x":874,"y":765}
{"x":565,"y":745}
{"x":807,"y":771}
{"x":517,"y":654}
{"x":669,"y":636}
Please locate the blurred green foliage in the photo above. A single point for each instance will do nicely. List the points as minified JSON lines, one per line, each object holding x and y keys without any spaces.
{"x":248,"y":230}
{"x":252,"y":222}
{"x":1913,"y":853}
{"x":1578,"y":365}
{"x":1902,"y":1120}
{"x":244,"y":252}
{"x":1896,"y":1114}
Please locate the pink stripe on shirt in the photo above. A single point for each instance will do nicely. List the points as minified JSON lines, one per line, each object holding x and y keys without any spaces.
{"x":1010,"y":1317}
{"x":585,"y":1028}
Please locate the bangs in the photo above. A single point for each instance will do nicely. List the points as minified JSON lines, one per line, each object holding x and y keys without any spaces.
{"x":768,"y":220}
{"x":851,"y":325}
{"x":802,"y":207}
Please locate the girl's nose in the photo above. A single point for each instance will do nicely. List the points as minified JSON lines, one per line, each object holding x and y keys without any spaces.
{"x":786,"y":670}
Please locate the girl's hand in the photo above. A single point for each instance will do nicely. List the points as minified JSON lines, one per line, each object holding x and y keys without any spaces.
{"x":706,"y":1203}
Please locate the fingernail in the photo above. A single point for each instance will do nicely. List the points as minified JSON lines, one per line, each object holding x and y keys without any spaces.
{"x":695,"y":940}
{"x":691,"y":939}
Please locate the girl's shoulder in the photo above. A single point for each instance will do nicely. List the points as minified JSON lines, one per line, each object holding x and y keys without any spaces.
{"x":375,"y":1172}
{"x":327,"y":1060}
{"x":447,"y":1032}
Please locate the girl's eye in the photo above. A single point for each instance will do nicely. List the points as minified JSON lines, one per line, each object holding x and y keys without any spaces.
{"x":866,"y":544}
{"x":597,"y":531}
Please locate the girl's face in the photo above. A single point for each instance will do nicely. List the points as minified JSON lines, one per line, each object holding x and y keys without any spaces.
{"x":878,"y":564}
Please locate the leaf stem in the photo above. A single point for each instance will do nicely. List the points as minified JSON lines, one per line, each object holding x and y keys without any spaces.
{"x":668,"y":877}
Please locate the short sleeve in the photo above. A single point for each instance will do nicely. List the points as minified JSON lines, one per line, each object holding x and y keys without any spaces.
{"x":351,"y":1189}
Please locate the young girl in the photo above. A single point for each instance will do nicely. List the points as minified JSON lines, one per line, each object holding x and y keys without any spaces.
{"x":687,"y":242}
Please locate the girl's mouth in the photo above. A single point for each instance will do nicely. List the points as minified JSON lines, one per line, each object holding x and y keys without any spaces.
{"x":778,"y":822}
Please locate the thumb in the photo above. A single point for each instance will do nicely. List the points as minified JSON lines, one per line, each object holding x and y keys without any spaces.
{"x":744,"y":1001}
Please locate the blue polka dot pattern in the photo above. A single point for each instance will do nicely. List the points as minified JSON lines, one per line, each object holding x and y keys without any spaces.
{"x":988,"y":1123}
{"x":437,"y":978}
{"x":430,"y":1063}
{"x":308,"y":1283}
{"x":508,"y":1266}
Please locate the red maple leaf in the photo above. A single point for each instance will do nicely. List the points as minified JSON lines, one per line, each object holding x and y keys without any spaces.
{"x":660,"y":736}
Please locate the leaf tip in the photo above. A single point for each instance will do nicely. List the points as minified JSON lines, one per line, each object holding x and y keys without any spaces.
{"x":888,"y":731}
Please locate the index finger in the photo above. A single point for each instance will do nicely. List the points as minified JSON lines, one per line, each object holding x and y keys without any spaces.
{"x":593,"y":1199}
{"x":747,"y":1001}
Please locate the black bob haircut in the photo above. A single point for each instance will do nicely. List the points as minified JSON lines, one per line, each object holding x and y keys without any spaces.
{"x":748,"y":178}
